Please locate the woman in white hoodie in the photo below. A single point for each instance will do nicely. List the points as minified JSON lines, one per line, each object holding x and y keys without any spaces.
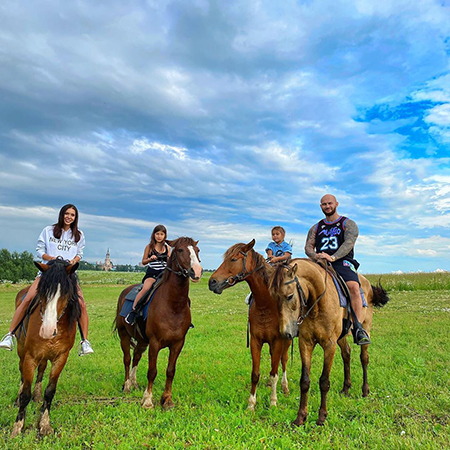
{"x":65,"y":240}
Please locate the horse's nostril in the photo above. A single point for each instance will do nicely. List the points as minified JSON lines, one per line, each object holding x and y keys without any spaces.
{"x":289,"y":336}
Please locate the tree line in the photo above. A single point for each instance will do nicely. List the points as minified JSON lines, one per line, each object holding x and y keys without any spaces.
{"x":15,"y":266}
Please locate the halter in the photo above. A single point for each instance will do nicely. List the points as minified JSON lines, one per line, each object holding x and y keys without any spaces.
{"x":303,"y":303}
{"x":242,"y":275}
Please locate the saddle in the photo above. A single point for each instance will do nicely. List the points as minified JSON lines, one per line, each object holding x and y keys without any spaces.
{"x":141,"y":307}
{"x":342,"y":288}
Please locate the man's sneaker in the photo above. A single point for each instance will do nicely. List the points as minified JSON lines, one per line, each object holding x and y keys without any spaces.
{"x":131,"y":317}
{"x":8,"y":341}
{"x":85,"y":348}
{"x":360,"y":337}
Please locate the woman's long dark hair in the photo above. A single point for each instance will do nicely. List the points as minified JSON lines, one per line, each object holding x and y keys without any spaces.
{"x":58,"y":227}
{"x":152,"y":238}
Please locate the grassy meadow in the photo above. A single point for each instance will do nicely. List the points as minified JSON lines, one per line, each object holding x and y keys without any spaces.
{"x":408,"y":407}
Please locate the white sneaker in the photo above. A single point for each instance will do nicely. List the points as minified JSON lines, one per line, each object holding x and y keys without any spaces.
{"x":8,"y":342}
{"x":248,"y":299}
{"x":85,"y":348}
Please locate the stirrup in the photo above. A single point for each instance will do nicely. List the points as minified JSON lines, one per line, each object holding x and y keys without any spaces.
{"x":8,"y":342}
{"x":360,"y":337}
{"x":84,"y":348}
{"x":131,"y":317}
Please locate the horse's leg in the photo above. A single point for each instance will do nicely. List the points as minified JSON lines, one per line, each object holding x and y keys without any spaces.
{"x":255,"y":347}
{"x":166,"y":398}
{"x":28,"y":369}
{"x":16,"y":403}
{"x":345,"y":353}
{"x":37,"y":391}
{"x":364,"y":356}
{"x":306,"y":349}
{"x":324,"y":382}
{"x":125,"y":344}
{"x":284,"y":361}
{"x":153,"y":350}
{"x":275,"y":354}
{"x":57,"y":367}
{"x":137,"y":355}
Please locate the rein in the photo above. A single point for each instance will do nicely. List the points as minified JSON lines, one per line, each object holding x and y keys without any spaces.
{"x":303,"y":306}
{"x":242,"y":275}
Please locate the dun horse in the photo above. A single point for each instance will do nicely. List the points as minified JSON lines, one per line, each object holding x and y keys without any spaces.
{"x":50,"y":334}
{"x":309,"y":307}
{"x":241,"y":263}
{"x":168,"y":320}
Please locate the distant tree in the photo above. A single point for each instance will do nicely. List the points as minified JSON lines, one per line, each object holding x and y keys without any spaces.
{"x":16,"y":266}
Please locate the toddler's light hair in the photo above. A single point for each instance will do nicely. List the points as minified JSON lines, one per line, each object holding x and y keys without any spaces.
{"x":280,"y":229}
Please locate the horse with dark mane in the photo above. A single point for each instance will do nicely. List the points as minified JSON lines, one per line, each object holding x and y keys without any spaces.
{"x":168,"y":320}
{"x":309,"y":308}
{"x":241,"y":262}
{"x":49,"y":334}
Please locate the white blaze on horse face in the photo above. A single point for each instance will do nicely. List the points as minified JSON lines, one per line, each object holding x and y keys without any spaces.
{"x":49,"y":321}
{"x":195,"y":264}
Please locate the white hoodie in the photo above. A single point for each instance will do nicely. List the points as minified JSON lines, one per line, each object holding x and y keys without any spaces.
{"x":65,"y":247}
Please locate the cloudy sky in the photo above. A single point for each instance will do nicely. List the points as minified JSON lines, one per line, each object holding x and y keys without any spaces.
{"x":223,"y":119}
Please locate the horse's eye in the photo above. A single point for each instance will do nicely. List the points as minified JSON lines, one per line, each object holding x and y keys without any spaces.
{"x":233,"y":259}
{"x":290,"y":297}
{"x":180,"y":250}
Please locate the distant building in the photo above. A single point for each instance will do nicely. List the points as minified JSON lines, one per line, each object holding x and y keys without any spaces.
{"x":107,"y":265}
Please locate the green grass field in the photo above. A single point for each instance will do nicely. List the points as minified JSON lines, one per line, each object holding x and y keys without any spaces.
{"x":408,"y":407}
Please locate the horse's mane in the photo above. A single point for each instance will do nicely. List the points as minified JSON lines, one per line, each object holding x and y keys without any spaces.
{"x":235,"y":249}
{"x":276,"y":279}
{"x":56,"y":276}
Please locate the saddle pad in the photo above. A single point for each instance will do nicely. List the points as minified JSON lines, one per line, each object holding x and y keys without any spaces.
{"x":128,"y":305}
{"x":343,"y":298}
{"x":132,"y":294}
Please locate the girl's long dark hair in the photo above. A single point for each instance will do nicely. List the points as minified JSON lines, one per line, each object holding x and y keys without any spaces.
{"x":152,"y":238}
{"x":58,"y":226}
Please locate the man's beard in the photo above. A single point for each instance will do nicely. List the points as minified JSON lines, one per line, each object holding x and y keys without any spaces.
{"x":331,"y":213}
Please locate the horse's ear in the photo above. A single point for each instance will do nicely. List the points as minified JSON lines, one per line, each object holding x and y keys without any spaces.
{"x":248,"y":246}
{"x":42,"y":267}
{"x":169,"y":243}
{"x":292,"y":270}
{"x":196,"y":243}
{"x":72,"y":268}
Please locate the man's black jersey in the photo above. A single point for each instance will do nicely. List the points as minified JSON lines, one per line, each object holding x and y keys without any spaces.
{"x":330,"y":236}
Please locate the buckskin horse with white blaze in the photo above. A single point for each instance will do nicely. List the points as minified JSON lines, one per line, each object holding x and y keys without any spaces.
{"x":49,"y":336}
{"x":242,"y":262}
{"x":309,"y":308}
{"x":168,"y":320}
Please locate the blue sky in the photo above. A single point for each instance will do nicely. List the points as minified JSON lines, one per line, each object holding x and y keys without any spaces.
{"x":223,"y":119}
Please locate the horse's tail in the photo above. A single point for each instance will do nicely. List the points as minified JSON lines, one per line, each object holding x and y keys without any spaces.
{"x":114,"y":327}
{"x":380,"y":296}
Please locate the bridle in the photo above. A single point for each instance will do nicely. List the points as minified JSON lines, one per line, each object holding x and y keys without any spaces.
{"x":303,"y":303}
{"x":243,"y":274}
{"x":182,"y":272}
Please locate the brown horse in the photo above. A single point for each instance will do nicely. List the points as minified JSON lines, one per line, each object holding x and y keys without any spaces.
{"x":168,"y":320}
{"x":240,"y":263}
{"x":309,"y":307}
{"x":50,"y":334}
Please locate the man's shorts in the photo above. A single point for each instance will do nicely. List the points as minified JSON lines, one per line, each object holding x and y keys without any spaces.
{"x":346,"y":268}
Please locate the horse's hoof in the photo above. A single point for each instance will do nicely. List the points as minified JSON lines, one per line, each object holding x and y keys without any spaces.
{"x":37,"y":398}
{"x":299,"y":421}
{"x":344,"y":392}
{"x":365,"y":391}
{"x":168,"y":404}
{"x":285,"y":390}
{"x":126,"y":386}
{"x":17,"y":429}
{"x":45,"y":430}
{"x":273,"y":403}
